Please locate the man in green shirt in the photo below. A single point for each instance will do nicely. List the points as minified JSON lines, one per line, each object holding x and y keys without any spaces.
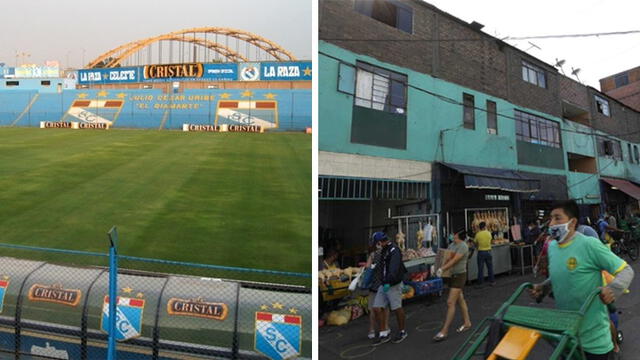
{"x":483,"y":242}
{"x":575,"y":265}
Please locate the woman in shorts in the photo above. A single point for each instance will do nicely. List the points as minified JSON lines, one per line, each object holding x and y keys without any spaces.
{"x":457,"y":262}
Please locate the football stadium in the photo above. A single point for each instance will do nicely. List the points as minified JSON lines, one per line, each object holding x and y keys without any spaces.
{"x":195,"y":144}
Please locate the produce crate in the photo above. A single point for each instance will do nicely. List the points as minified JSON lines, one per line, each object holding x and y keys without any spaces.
{"x":427,"y":287}
{"x":335,"y":289}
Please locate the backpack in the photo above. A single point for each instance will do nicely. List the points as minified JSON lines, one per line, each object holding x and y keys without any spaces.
{"x":401,"y":271}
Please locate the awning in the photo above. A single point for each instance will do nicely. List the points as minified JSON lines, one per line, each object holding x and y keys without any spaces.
{"x":624,"y":186}
{"x":552,"y":187}
{"x":500,"y":179}
{"x":346,"y":188}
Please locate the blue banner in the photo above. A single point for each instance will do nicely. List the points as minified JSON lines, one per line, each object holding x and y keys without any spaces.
{"x":285,"y":71}
{"x":111,"y":75}
{"x":221,"y":72}
{"x":300,"y":70}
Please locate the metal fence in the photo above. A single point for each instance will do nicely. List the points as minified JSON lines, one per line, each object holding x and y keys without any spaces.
{"x":54,"y":304}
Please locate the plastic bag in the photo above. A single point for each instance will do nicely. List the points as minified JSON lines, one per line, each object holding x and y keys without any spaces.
{"x":354,"y":283}
{"x":366,"y":277}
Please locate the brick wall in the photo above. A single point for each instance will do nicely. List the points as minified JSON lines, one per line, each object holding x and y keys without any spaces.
{"x":574,"y":92}
{"x":623,"y":123}
{"x":478,"y":63}
{"x":628,"y":95}
{"x":481,"y":62}
{"x":607,"y":84}
{"x":339,"y":20}
{"x":530,"y":95}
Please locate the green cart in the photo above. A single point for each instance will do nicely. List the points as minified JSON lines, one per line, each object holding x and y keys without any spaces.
{"x":523,"y":326}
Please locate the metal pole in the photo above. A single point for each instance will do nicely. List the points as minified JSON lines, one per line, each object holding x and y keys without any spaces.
{"x":113,"y":292}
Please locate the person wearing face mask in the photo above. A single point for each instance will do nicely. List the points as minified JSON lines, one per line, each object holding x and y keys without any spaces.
{"x":457,"y":262}
{"x":575,"y":265}
{"x":390,"y":270}
{"x":375,"y":251}
{"x":531,"y":232}
{"x":606,"y":229}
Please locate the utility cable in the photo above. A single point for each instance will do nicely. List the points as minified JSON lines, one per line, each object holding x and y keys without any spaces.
{"x":482,"y":37}
{"x":614,"y":137}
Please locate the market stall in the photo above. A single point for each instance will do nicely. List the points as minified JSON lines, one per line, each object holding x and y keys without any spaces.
{"x":497,"y":222}
{"x":417,"y":237}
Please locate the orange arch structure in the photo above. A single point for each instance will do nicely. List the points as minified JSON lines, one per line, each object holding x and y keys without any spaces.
{"x":198,"y":36}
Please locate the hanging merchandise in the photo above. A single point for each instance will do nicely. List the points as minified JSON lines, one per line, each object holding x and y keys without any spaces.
{"x":429,"y":233}
{"x":400,"y":237}
{"x":412,"y":238}
{"x":495,"y":219}
{"x":420,"y":236}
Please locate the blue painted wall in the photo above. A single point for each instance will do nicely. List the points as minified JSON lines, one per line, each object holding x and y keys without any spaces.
{"x":150,"y":108}
{"x":27,"y":84}
{"x":435,"y":132}
{"x":427,"y":116}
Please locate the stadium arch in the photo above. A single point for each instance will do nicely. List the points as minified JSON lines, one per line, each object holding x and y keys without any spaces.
{"x":215,"y":51}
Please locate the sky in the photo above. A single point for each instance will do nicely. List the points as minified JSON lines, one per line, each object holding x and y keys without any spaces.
{"x":596,"y":57}
{"x":60,"y":30}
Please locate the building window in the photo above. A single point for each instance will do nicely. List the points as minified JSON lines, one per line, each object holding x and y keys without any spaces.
{"x":630,"y":153}
{"x":380,"y":89}
{"x":468,"y":118}
{"x":635,"y":151}
{"x":533,"y":74}
{"x":390,"y":12}
{"x":602,"y":105}
{"x":537,"y":130}
{"x":347,"y":78}
{"x":492,"y":118}
{"x":622,"y":80}
{"x":611,"y":148}
{"x":45,"y":83}
{"x":13,"y":83}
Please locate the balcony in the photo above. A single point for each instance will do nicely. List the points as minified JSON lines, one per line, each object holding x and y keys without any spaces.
{"x":575,"y":113}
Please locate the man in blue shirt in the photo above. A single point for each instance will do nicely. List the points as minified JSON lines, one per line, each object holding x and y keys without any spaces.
{"x":586,"y":229}
{"x":602,"y":227}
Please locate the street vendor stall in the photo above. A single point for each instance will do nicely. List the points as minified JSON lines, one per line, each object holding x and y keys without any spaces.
{"x":497,"y":222}
{"x":417,"y":237}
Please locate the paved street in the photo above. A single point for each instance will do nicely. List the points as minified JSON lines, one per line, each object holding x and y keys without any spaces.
{"x":425,"y":316}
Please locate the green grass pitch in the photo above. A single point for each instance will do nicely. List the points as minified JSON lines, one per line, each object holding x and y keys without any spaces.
{"x":226,"y":199}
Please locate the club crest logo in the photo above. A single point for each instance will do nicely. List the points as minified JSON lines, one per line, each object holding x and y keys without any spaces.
{"x":262,"y":113}
{"x":278,"y":336}
{"x":98,"y":113}
{"x":250,"y":72}
{"x":572,"y":263}
{"x":128,"y":317}
{"x":4,"y":284}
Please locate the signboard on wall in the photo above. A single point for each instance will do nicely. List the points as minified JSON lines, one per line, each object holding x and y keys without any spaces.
{"x":221,"y":72}
{"x":253,"y":71}
{"x":111,"y":75}
{"x":35,"y":71}
{"x":172,"y":71}
{"x":287,"y":71}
